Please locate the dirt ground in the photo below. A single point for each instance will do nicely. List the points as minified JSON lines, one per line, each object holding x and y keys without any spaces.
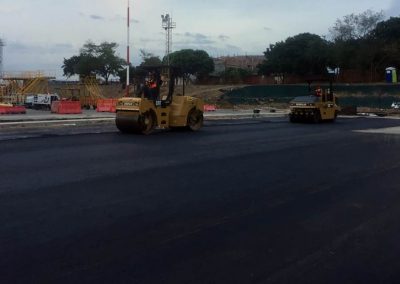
{"x":214,"y":95}
{"x":211,"y":94}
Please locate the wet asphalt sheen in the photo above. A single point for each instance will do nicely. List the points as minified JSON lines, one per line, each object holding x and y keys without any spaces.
{"x":237,"y":202}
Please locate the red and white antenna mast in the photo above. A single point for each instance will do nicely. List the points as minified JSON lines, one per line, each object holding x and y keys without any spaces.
{"x":128,"y":60}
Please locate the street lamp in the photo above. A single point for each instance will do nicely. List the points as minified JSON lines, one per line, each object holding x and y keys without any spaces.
{"x":168,"y":25}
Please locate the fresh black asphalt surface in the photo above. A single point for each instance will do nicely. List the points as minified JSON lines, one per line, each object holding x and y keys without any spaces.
{"x":238,"y":202}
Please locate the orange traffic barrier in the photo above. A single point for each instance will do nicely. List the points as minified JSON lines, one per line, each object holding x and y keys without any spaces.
{"x":12,"y":109}
{"x":66,"y":107}
{"x":210,"y":108}
{"x":106,"y":105}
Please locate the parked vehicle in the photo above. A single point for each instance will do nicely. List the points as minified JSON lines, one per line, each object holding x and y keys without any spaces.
{"x":396,"y":105}
{"x":41,"y":101}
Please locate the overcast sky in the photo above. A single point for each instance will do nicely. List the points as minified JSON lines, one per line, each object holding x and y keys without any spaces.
{"x":40,"y":33}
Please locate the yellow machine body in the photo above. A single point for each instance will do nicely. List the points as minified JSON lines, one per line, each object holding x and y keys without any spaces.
{"x":314,"y":108}
{"x":155,"y":105}
{"x":141,"y":115}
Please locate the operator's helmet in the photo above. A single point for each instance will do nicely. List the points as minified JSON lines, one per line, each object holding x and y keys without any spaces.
{"x":150,"y":78}
{"x":318,"y":91}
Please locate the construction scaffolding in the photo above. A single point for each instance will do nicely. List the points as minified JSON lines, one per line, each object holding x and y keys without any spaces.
{"x":87,"y":92}
{"x":17,"y":86}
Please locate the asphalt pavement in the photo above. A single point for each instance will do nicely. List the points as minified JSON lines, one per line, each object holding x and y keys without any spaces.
{"x":241,"y":201}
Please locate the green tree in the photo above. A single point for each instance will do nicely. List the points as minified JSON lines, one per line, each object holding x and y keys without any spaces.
{"x":108,"y":64}
{"x":355,"y":26}
{"x":149,"y":59}
{"x":387,"y":31}
{"x":387,"y":36}
{"x":192,"y":62}
{"x":373,"y":52}
{"x":303,"y":54}
{"x":70,"y":66}
{"x":235,"y":75}
{"x":94,"y":59}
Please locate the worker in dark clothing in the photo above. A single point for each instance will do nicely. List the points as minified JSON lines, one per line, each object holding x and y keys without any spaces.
{"x":152,"y":86}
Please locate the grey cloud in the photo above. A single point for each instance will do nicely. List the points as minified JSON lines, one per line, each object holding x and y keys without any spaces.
{"x":19,"y":47}
{"x":394,"y":10}
{"x":119,"y":18}
{"x":195,"y":39}
{"x":201,"y":41}
{"x":233,"y":49}
{"x":267,"y":29}
{"x":148,"y":40}
{"x":97,"y":17}
{"x":116,"y":18}
{"x":214,"y":50}
{"x":223,"y":37}
{"x":61,"y":48}
{"x":20,"y":56}
{"x":197,"y":36}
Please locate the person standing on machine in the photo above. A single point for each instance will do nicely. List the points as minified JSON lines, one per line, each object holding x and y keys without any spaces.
{"x":152,"y":88}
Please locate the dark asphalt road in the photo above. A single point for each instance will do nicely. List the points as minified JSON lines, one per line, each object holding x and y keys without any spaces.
{"x":238,"y":202}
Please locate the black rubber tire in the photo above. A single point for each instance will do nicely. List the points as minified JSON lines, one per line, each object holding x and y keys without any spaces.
{"x":195,"y":120}
{"x":335,"y":117}
{"x":148,"y":122}
{"x":317,"y":117}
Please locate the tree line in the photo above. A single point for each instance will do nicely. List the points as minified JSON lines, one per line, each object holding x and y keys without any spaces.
{"x":101,"y":60}
{"x":358,"y":42}
{"x":363,"y":42}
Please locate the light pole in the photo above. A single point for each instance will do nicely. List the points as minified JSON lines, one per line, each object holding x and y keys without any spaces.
{"x":168,"y":25}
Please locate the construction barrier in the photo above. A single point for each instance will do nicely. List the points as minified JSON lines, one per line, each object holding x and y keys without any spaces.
{"x":12,"y":110}
{"x":66,"y":107}
{"x":210,"y":108}
{"x":106,"y":105}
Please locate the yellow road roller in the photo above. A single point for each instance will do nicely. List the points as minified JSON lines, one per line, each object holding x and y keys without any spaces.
{"x":320,"y":105}
{"x":154,"y":105}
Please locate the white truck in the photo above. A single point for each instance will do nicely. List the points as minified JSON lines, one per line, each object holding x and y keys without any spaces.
{"x":41,"y":101}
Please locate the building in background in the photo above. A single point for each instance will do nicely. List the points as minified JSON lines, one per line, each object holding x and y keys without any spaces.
{"x":245,"y":62}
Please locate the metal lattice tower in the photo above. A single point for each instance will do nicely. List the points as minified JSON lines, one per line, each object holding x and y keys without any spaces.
{"x":1,"y":58}
{"x":168,"y":25}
